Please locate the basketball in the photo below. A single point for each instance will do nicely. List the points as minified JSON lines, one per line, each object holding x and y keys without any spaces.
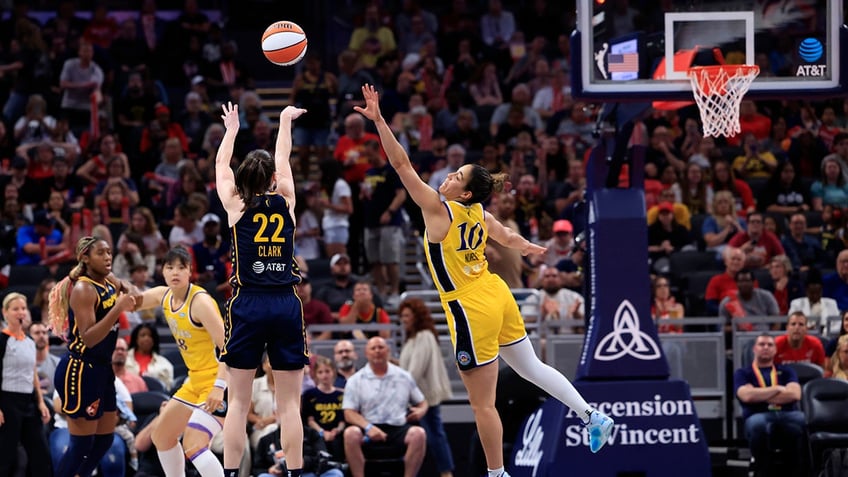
{"x":284,"y":43}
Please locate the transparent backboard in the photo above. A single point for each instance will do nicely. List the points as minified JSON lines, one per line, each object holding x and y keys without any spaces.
{"x":641,"y":50}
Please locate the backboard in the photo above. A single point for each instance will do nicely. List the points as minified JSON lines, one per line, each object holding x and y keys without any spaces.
{"x":626,"y":52}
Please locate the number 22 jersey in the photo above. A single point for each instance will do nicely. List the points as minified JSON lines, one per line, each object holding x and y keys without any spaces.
{"x":263,"y":245}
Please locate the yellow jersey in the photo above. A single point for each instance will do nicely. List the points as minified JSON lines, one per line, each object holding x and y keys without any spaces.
{"x":459,"y":260}
{"x":195,"y":343}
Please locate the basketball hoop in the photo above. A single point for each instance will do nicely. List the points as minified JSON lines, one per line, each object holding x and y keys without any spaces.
{"x":718,"y":91}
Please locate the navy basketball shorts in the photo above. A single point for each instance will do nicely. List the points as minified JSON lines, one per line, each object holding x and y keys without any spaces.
{"x":87,"y":390}
{"x":265,"y":320}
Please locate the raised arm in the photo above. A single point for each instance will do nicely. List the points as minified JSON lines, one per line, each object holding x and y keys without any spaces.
{"x":282,"y":153}
{"x":225,"y":181}
{"x":423,"y":195}
{"x":510,"y":238}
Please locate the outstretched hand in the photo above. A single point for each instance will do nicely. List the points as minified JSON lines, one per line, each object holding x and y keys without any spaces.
{"x":372,"y":103}
{"x":230,"y":116}
{"x":532,"y":248}
{"x":292,"y":112}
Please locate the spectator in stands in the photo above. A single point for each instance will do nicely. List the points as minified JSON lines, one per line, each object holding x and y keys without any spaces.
{"x":211,"y":252}
{"x":131,"y":252}
{"x":143,"y":224}
{"x":769,"y":395}
{"x":143,"y":357}
{"x":840,"y":152}
{"x":725,"y":179}
{"x":723,"y":223}
{"x":814,"y":306}
{"x":25,"y":187}
{"x":520,"y":101}
{"x":784,"y":193}
{"x":36,"y":125}
{"x":835,"y":285}
{"x":81,"y":78}
{"x":315,"y":311}
{"x":340,"y":290}
{"x":571,"y":269}
{"x":786,"y":286}
{"x":751,"y":122}
{"x":380,"y":420}
{"x":838,"y":364}
{"x":664,"y":306}
{"x":45,"y":362}
{"x":759,"y":244}
{"x":756,"y":163}
{"x":131,"y":380}
{"x":344,"y":357}
{"x":322,"y":406}
{"x":559,"y":246}
{"x":696,"y":192}
{"x":96,"y":169}
{"x":796,"y":346}
{"x":803,"y":249}
{"x":557,"y":302}
{"x":187,"y":230}
{"x":843,"y":330}
{"x":747,"y":301}
{"x":421,"y":356}
{"x":665,"y":237}
{"x":362,"y":310}
{"x":29,"y":249}
{"x":371,"y":40}
{"x":38,"y":308}
{"x":337,"y":203}
{"x":723,"y":285}
{"x":832,"y":188}
{"x":312,"y":90}
{"x":194,"y":121}
{"x":497,"y":26}
{"x":455,"y":159}
{"x":349,"y":149}
{"x":661,"y":153}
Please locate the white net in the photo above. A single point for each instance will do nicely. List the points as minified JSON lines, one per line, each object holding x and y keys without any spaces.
{"x":718,"y":91}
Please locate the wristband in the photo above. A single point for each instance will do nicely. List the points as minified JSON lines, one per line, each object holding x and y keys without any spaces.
{"x":321,"y":433}
{"x":220,"y":383}
{"x":368,"y":428}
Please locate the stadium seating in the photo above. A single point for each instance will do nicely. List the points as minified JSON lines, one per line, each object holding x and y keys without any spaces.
{"x":825,"y":406}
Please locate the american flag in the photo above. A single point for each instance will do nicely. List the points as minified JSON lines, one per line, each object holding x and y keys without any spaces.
{"x":623,"y":63}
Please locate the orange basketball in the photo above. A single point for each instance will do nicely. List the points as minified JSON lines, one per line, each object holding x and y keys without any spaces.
{"x":284,"y":43}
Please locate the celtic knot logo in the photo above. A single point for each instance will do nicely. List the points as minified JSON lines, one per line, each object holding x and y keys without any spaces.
{"x":626,"y":338}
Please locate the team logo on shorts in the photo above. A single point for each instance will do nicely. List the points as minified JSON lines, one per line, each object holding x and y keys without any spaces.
{"x":463,"y":357}
{"x":92,"y":409}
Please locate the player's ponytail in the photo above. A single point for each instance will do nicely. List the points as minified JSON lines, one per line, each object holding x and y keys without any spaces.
{"x":60,"y":295}
{"x":482,"y":183}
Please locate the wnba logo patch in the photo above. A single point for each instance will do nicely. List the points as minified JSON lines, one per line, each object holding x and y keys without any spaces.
{"x":463,"y":358}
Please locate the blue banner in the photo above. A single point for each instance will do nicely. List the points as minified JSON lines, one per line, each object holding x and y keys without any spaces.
{"x":621,"y":338}
{"x":657,"y":434}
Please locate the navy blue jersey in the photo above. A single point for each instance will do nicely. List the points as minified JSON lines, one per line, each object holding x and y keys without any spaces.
{"x":102,"y":351}
{"x":263,"y":245}
{"x":325,"y":408}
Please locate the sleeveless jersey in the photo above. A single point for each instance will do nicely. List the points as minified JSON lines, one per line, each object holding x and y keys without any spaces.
{"x":102,"y":351}
{"x":263,"y":245}
{"x":459,"y":259}
{"x":195,"y":343}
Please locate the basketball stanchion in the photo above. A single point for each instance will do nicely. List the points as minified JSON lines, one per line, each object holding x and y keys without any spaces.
{"x":718,"y":92}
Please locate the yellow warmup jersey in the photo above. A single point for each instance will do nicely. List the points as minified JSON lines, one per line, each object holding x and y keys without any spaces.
{"x":196,"y":346}
{"x":458,"y":260}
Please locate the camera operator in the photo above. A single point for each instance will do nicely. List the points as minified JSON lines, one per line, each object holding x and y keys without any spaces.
{"x":316,"y":460}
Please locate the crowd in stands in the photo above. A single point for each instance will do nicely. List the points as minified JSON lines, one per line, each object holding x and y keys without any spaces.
{"x":110,"y":128}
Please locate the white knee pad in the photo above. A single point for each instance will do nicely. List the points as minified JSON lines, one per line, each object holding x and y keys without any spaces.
{"x":203,"y":421}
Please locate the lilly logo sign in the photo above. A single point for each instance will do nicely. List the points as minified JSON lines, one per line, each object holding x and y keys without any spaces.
{"x":627,"y":338}
{"x":530,"y":454}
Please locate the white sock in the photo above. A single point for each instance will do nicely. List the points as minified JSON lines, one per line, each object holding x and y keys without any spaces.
{"x":521,"y":357}
{"x":207,"y":464}
{"x":496,"y":472}
{"x":173,"y":461}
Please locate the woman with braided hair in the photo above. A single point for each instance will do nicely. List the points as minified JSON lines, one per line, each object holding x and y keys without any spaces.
{"x":86,"y":305}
